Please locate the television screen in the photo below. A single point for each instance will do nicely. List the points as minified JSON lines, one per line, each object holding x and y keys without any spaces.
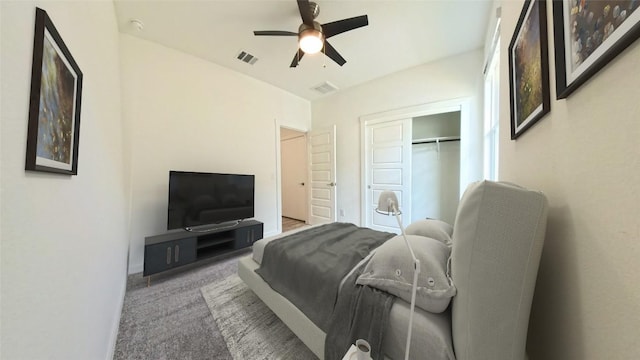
{"x":197,"y":198}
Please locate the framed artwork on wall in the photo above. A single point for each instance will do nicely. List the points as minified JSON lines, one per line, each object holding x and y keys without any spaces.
{"x":54,"y":108}
{"x":529,"y":93}
{"x":588,"y":35}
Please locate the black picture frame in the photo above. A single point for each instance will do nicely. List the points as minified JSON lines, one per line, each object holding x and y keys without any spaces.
{"x":529,"y":91}
{"x":598,"y":32}
{"x":54,"y":107}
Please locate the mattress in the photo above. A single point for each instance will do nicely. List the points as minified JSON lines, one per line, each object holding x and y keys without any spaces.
{"x":431,"y":334}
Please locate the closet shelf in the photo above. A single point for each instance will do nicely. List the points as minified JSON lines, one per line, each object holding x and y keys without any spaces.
{"x":435,"y":139}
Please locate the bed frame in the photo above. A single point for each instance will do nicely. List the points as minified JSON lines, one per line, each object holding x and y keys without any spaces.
{"x":296,"y":320}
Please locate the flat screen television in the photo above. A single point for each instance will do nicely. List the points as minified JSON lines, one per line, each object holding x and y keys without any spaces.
{"x":197,"y":198}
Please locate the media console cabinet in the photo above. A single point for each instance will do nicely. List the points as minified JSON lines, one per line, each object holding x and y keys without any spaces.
{"x":182,"y":247}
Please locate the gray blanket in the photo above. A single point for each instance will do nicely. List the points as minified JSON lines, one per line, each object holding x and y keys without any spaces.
{"x":361,"y":312}
{"x":307,"y":267}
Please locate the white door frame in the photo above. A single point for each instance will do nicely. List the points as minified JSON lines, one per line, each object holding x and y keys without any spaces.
{"x":466,"y":128}
{"x":278,"y":174}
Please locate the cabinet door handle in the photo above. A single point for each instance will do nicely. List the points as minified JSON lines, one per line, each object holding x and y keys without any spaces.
{"x":177,"y":253}
{"x":169,"y":255}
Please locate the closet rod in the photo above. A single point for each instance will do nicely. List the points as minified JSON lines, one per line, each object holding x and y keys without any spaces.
{"x":434,"y":140}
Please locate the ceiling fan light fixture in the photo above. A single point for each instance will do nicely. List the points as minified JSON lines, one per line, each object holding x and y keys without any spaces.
{"x":312,"y":35}
{"x":311,"y":41}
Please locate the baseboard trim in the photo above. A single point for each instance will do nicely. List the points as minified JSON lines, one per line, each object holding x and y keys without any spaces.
{"x":136,"y":268}
{"x":115,"y":327}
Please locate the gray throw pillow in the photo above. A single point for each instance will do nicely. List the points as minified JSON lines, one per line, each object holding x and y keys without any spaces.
{"x":390,"y":269}
{"x":432,"y":228}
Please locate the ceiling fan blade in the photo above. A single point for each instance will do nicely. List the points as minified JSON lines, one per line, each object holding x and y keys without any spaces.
{"x":296,"y":58}
{"x":305,"y":12}
{"x":340,"y":26}
{"x":274,"y":33}
{"x":333,"y":54}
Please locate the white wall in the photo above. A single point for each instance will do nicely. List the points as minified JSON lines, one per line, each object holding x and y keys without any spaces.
{"x":452,"y":78}
{"x":436,"y":125}
{"x":183,"y":113}
{"x":584,"y":155}
{"x":64,"y":238}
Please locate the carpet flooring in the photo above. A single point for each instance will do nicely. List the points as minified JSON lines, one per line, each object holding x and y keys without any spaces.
{"x":251,"y":331}
{"x":170,"y":319}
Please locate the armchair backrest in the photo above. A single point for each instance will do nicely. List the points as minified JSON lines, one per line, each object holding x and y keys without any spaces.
{"x":498,"y":235}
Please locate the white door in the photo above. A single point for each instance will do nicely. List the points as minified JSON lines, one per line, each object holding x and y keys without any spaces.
{"x":388,"y":167}
{"x":322,"y":163}
{"x":294,"y":177}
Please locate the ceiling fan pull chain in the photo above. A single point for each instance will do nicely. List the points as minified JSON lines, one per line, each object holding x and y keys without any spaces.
{"x":324,"y":58}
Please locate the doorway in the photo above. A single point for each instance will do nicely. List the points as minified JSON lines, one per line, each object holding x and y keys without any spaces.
{"x":294,"y":183}
{"x":436,"y":155}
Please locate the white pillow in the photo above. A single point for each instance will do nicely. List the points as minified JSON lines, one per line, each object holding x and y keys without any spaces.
{"x":432,"y":228}
{"x":391,"y":269}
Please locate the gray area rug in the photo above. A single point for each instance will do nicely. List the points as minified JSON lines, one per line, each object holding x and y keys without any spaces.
{"x":250,"y":329}
{"x":170,"y":320}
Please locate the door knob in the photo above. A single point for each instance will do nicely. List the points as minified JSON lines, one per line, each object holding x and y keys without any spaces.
{"x":331,"y":184}
{"x":302,"y":183}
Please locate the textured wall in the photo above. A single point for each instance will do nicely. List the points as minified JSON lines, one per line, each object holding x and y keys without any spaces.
{"x":184,"y":113}
{"x":64,"y":238}
{"x":584,"y":156}
{"x":452,"y":78}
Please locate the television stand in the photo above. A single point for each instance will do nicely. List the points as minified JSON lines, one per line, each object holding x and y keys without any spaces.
{"x":181,"y":247}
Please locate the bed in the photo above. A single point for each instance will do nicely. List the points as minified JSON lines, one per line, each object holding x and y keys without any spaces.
{"x":431,"y":331}
{"x":495,"y":248}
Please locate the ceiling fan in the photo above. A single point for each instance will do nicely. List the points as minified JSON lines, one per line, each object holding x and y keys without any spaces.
{"x":312,"y":36}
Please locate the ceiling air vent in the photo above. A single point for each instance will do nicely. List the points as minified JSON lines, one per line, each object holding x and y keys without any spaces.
{"x":325,"y":87}
{"x":246,"y":57}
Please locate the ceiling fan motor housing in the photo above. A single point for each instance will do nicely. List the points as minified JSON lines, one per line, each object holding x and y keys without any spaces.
{"x":315,"y":9}
{"x":305,"y":28}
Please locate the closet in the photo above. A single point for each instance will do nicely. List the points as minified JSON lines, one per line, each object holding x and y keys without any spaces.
{"x":435,"y":166}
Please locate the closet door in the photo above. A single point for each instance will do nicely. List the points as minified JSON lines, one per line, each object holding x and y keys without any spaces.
{"x":388,"y":167}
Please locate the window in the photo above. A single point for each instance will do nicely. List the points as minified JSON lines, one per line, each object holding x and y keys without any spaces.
{"x":492,"y":114}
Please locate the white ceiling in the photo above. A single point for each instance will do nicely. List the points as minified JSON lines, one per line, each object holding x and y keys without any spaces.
{"x":400,"y":35}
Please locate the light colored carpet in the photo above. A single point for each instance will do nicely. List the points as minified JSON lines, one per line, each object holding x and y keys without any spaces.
{"x":170,"y":320}
{"x":249,"y":328}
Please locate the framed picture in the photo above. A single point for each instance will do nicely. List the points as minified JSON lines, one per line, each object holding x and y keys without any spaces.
{"x":589,"y":34}
{"x":54,"y":108}
{"x":529,"y":68}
